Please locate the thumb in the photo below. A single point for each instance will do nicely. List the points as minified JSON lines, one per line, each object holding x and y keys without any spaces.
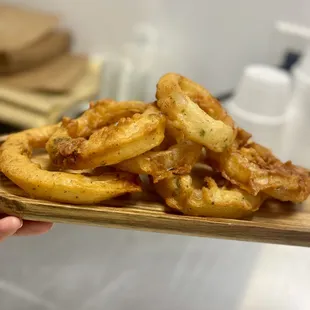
{"x":9,"y":225}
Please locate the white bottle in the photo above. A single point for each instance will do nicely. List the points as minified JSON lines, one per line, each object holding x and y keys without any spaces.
{"x":116,"y":74}
{"x":141,"y":50}
{"x":297,"y":130}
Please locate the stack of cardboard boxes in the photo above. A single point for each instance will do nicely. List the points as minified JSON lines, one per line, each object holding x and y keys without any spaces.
{"x":40,"y":78}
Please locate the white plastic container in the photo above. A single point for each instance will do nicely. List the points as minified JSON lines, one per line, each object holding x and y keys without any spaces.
{"x":260,"y":105}
{"x":263,"y":90}
{"x":265,"y":130}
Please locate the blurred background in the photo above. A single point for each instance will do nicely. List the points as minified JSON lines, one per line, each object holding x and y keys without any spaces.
{"x":57,"y":55}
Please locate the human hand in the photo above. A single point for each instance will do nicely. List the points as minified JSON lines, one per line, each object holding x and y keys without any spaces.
{"x":11,"y":225}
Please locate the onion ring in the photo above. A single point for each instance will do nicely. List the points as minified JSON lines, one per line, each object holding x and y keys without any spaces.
{"x":192,"y":109}
{"x":16,"y":165}
{"x":255,"y":169}
{"x":174,"y":155}
{"x":172,"y":82}
{"x":177,"y":159}
{"x":186,"y":194}
{"x":127,"y":138}
{"x":102,"y":113}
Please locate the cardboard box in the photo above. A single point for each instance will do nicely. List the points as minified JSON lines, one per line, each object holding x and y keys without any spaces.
{"x":21,"y":27}
{"x":42,"y":50}
{"x":58,"y":75}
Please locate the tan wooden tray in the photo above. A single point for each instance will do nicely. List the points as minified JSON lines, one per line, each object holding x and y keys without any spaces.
{"x":275,"y":222}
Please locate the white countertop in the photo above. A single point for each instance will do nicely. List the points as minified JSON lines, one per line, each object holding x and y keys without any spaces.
{"x":86,"y":268}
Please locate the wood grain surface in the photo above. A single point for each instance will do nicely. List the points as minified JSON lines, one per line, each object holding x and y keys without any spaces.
{"x":275,"y":222}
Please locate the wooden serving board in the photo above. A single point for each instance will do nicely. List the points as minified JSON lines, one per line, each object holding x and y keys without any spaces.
{"x":275,"y":222}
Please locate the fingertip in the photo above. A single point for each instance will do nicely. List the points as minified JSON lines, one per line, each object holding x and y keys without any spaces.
{"x":9,"y":225}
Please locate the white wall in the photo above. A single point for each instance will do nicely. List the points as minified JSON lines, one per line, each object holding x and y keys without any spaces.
{"x":209,"y":40}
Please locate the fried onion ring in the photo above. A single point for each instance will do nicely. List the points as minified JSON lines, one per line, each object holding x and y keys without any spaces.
{"x":172,"y":82}
{"x":192,"y":109}
{"x":127,"y":138}
{"x":186,"y":194}
{"x":177,"y":159}
{"x":102,"y":113}
{"x":16,"y":165}
{"x":255,"y":169}
{"x":174,"y":155}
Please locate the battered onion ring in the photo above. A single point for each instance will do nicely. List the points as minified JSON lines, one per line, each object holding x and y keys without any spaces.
{"x":174,"y":155}
{"x":255,"y":169}
{"x":192,"y":108}
{"x":172,"y":82}
{"x":127,"y":138}
{"x":102,"y":113}
{"x":16,"y":164}
{"x":178,"y":159}
{"x":182,"y":193}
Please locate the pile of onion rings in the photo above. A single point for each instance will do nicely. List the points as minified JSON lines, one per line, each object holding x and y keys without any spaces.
{"x":197,"y":160}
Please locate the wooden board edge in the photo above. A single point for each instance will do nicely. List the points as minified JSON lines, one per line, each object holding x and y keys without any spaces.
{"x":162,"y":223}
